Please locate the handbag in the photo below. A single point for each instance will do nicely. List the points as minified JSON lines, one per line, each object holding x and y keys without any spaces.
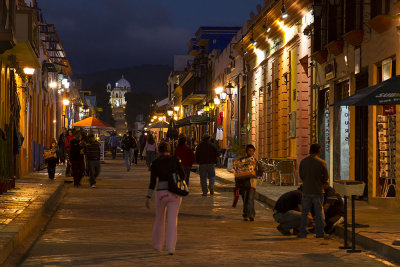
{"x":176,"y":184}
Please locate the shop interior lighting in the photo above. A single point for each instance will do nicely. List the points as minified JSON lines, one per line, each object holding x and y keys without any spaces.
{"x":170,"y":112}
{"x":160,"y":118}
{"x":176,"y":108}
{"x":29,"y":71}
{"x":207,"y":108}
{"x":65,"y":102}
{"x":53,"y":85}
{"x":217,"y":101}
{"x":212,"y":105}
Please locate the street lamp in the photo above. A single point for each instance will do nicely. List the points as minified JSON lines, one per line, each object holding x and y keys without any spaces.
{"x":229,"y":88}
{"x":176,"y":108}
{"x":217,"y":101}
{"x":65,"y":102}
{"x":218,"y":90}
{"x":222,"y":96}
{"x":160,"y":118}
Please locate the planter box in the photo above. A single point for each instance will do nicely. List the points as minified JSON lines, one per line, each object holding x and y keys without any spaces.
{"x":335,"y":47}
{"x":320,"y":56}
{"x":380,"y":24}
{"x":349,"y":188}
{"x":354,"y":37}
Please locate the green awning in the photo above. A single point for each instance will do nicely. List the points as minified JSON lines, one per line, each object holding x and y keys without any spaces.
{"x":195,"y":119}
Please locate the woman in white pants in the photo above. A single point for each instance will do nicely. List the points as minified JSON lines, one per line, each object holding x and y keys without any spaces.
{"x":166,"y":202}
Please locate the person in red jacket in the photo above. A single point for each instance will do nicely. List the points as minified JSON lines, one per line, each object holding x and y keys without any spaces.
{"x":67,"y":142}
{"x":186,"y":155}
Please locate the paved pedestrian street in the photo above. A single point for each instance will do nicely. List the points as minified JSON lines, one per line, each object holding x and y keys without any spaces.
{"x":110,"y":226}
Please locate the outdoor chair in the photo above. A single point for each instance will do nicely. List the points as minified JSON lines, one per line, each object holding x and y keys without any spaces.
{"x":268,"y":168}
{"x":286,"y":168}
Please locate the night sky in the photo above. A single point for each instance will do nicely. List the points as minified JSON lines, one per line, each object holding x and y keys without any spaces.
{"x":103,"y":34}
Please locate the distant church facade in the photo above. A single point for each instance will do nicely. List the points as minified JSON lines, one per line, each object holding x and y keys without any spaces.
{"x":118,"y":103}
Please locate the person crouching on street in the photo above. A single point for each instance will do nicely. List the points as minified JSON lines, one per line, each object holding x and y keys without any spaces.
{"x":333,"y":209}
{"x":51,"y":159}
{"x":287,"y":212}
{"x":92,"y":152}
{"x":162,"y":168}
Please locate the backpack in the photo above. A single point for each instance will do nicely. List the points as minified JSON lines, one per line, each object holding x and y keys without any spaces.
{"x":125,"y":144}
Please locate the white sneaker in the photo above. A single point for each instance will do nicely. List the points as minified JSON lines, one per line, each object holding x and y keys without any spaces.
{"x":93,"y":186}
{"x":171,"y":252}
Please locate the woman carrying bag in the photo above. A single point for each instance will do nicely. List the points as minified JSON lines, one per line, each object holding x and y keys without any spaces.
{"x":166,"y":168}
{"x":51,"y":159}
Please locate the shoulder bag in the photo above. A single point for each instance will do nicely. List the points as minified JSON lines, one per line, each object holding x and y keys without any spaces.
{"x":176,"y":184}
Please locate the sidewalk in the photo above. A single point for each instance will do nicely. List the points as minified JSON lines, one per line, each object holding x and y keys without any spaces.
{"x":384,"y":224}
{"x":25,"y":210}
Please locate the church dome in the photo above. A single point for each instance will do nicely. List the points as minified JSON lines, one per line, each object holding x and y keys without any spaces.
{"x":122,"y":83}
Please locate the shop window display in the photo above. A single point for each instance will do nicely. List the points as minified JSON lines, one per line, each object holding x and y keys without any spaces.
{"x":386,"y":134}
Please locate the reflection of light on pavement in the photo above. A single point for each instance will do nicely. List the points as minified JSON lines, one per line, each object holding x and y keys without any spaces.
{"x":380,"y":260}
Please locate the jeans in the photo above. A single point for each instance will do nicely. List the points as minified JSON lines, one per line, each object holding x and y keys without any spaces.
{"x":307,"y":202}
{"x":94,"y":170}
{"x":288,"y":220}
{"x":207,"y":171}
{"x":150,"y":156}
{"x":169,"y":202}
{"x":128,"y":158}
{"x":187,"y":173}
{"x":248,"y":202}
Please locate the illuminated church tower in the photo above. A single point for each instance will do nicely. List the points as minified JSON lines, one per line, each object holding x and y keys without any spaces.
{"x":118,"y":103}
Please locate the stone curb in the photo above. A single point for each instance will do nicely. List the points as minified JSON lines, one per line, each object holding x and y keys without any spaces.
{"x":386,"y":251}
{"x":22,"y":232}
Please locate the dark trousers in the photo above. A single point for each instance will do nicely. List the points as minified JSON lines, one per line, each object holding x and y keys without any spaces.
{"x":135,"y":155}
{"x":94,"y":170}
{"x":78,"y":168}
{"x":114,"y":152}
{"x":68,"y":168}
{"x":248,"y":202}
{"x":51,"y":167}
{"x":61,"y":154}
{"x":187,"y":173}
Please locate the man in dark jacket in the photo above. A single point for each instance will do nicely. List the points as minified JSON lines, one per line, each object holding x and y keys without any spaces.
{"x":92,"y":152}
{"x":287,"y":212}
{"x":313,"y":172}
{"x":76,"y":156}
{"x":206,"y":157}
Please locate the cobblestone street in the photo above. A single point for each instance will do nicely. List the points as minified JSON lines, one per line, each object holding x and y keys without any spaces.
{"x":110,"y":226}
